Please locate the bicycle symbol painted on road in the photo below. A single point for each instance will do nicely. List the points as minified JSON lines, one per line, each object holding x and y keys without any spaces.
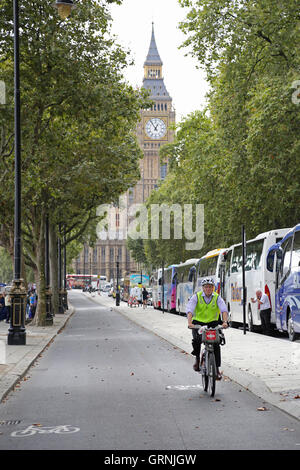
{"x":33,"y":429}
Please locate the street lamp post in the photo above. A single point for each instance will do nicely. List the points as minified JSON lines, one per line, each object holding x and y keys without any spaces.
{"x":118,"y":290}
{"x":90,"y":255}
{"x":17,"y":332}
{"x":49,"y":310}
{"x":65,"y":293}
{"x":60,"y":289}
{"x":163,"y":286}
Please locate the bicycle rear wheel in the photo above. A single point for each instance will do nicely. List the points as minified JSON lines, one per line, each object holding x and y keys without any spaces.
{"x":212,"y":374}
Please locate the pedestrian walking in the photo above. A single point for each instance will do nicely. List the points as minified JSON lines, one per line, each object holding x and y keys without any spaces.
{"x":145,"y":297}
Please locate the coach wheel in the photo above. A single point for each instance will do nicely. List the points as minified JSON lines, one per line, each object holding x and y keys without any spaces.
{"x":290,"y":328}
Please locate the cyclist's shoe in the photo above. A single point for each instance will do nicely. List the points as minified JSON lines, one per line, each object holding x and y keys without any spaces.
{"x":219,"y":375}
{"x":196,"y":365}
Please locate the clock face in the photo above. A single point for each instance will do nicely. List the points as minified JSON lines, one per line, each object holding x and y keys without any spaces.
{"x":156,"y":128}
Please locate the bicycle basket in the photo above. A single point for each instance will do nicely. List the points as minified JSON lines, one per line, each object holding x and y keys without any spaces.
{"x":210,"y":336}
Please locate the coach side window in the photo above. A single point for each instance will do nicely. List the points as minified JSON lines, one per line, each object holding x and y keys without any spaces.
{"x":286,"y":258}
{"x":227,"y":262}
{"x":237,"y":257}
{"x":296,"y":251}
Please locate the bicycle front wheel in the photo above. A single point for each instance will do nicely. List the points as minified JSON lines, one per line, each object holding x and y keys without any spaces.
{"x":204,"y":380}
{"x":204,"y":373}
{"x":212,"y":374}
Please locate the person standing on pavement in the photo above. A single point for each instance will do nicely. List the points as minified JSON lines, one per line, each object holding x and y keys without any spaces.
{"x":2,"y":307}
{"x":264,"y":308}
{"x":139,"y":295}
{"x":8,"y":307}
{"x":32,"y":304}
{"x":206,"y":307}
{"x":145,"y":297}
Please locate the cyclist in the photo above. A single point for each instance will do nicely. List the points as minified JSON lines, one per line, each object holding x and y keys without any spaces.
{"x":206,"y":308}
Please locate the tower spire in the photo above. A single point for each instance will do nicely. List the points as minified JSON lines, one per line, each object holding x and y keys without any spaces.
{"x":153,"y":57}
{"x":153,"y":74}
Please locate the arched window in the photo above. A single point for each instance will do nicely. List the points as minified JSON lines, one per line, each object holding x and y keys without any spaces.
{"x":163,"y":171}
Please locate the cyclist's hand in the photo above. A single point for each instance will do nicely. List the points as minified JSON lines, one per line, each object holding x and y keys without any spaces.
{"x":225,"y":325}
{"x":190,"y":320}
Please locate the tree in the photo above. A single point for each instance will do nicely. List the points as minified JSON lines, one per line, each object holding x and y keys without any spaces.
{"x":249,"y":50}
{"x":6,"y":268}
{"x":78,"y":117}
{"x":240,"y":157}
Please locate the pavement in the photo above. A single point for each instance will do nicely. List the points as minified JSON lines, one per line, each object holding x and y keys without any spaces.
{"x":16,"y":360}
{"x":266,"y":366}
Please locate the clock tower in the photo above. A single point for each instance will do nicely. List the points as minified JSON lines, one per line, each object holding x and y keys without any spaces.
{"x":153,"y":129}
{"x":152,"y":133}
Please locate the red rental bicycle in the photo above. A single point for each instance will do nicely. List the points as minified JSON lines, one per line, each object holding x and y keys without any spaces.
{"x":208,"y":368}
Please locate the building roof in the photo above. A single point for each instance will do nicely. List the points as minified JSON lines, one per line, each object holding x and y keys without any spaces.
{"x":153,"y":57}
{"x":155,"y":85}
{"x":157,"y":88}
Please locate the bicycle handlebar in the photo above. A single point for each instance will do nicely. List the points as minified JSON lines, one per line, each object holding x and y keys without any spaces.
{"x":205,"y":327}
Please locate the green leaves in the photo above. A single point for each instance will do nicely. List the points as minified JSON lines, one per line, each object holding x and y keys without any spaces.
{"x":78,"y":118}
{"x":241,"y":157}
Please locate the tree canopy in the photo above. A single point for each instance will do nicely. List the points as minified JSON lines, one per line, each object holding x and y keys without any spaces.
{"x":78,"y":117}
{"x":240,"y":157}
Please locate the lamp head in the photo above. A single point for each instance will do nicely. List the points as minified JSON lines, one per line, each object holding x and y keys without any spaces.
{"x":64,"y":8}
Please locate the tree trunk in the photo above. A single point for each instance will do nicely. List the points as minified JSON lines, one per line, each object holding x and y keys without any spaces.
{"x":40,"y":314}
{"x":53,"y":267}
{"x":23,"y":270}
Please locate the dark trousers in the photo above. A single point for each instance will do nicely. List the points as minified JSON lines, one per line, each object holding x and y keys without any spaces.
{"x":3,"y":314}
{"x":7,"y":313}
{"x":265,"y":316}
{"x":197,"y":340}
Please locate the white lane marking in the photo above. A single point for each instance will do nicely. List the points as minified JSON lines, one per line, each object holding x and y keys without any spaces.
{"x":37,"y":429}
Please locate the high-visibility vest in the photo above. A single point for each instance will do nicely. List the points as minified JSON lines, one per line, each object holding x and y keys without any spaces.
{"x":204,"y":312}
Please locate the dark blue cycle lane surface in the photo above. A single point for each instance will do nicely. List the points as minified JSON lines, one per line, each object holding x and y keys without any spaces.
{"x":105,"y":383}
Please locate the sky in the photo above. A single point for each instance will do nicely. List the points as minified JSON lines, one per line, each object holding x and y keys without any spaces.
{"x":132,"y":24}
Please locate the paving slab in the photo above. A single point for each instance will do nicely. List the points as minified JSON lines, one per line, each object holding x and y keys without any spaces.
{"x":16,"y":360}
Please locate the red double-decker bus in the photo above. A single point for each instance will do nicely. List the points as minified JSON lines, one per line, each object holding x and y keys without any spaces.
{"x":79,"y":281}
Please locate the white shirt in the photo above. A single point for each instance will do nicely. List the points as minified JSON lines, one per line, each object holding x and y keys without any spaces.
{"x":265,"y":302}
